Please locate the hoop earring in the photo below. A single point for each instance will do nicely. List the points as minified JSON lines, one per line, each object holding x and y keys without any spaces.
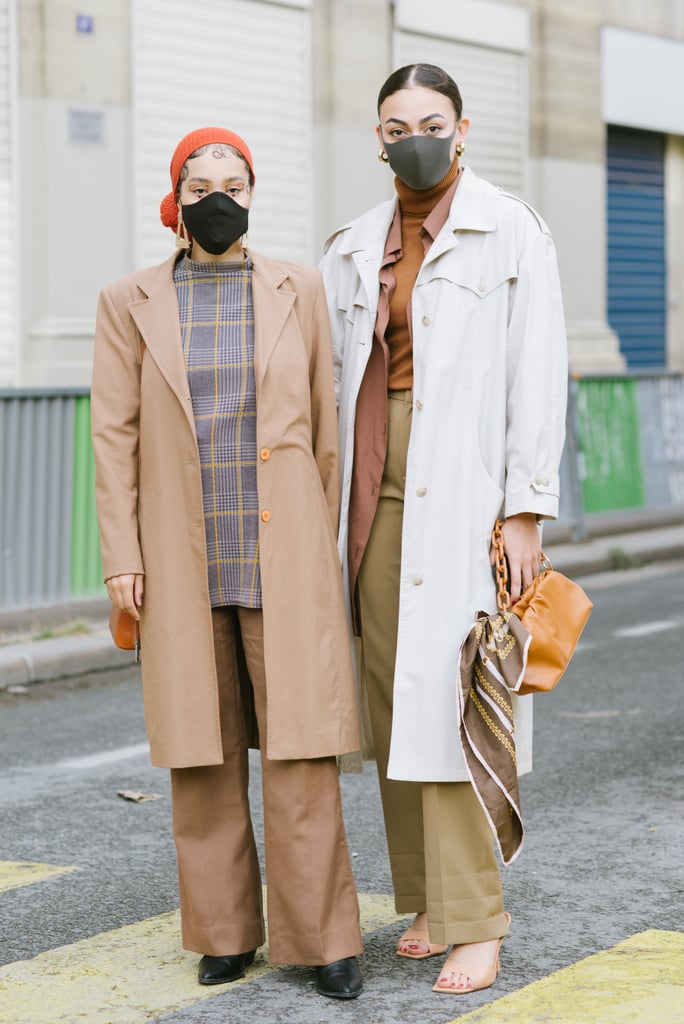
{"x":460,"y":149}
{"x":182,"y":240}
{"x":382,"y":157}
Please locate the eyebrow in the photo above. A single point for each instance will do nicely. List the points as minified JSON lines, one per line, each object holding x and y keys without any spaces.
{"x":208,"y":181}
{"x":423,"y":120}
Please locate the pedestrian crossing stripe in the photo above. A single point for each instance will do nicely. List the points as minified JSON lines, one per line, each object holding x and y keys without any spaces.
{"x":640,"y":980}
{"x":132,"y":974}
{"x":139,"y":973}
{"x":15,"y":873}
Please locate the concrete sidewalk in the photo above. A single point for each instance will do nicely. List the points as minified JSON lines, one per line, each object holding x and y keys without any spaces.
{"x":24,"y":661}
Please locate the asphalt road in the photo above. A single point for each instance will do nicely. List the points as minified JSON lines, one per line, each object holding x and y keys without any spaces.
{"x":602,"y":859}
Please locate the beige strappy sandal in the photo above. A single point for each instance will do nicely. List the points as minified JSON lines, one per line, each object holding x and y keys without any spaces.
{"x":479,"y":975}
{"x":417,"y":937}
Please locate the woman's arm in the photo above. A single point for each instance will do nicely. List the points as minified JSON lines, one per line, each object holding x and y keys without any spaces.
{"x":536,"y":403}
{"x":115,"y":413}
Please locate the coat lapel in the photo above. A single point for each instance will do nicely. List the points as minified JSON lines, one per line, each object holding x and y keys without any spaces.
{"x":364,"y":240}
{"x":156,"y":317}
{"x":471,"y":210}
{"x":272,"y":306}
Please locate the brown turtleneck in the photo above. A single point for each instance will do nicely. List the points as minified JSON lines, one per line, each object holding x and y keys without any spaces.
{"x":418,"y":219}
{"x":421,"y":216}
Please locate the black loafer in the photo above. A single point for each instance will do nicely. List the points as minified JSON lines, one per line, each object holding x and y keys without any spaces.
{"x":339,"y":980}
{"x":218,"y":970}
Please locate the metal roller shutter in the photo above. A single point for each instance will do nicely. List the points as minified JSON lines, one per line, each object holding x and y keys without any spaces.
{"x":636,"y":245}
{"x":493,"y":85}
{"x":241,"y":64}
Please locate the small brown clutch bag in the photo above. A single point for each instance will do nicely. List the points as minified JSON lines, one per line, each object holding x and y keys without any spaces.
{"x":125,"y":631}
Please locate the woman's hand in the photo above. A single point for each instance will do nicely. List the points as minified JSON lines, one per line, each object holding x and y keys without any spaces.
{"x":523,"y":551}
{"x":126,"y":593}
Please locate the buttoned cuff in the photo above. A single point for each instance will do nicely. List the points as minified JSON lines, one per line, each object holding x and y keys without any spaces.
{"x":540,"y":496}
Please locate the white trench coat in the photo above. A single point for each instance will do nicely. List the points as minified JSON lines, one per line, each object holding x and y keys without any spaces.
{"x":489,"y":397}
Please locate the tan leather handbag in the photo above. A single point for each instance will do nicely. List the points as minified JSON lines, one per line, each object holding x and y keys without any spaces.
{"x":554,"y":611}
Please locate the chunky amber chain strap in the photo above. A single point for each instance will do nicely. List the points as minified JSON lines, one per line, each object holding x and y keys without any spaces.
{"x":503,"y":598}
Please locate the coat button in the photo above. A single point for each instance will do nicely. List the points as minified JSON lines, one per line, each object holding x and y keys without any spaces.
{"x":421,"y":492}
{"x":426,"y":321}
{"x":419,"y":404}
{"x":417,"y":581}
{"x":265,"y":516}
{"x":265,"y":454}
{"x":541,"y":481}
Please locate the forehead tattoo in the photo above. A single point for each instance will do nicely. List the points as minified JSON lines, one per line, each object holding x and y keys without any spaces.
{"x":218,"y":150}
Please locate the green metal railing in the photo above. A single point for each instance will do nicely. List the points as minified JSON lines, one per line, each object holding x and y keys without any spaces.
{"x":629,"y":441}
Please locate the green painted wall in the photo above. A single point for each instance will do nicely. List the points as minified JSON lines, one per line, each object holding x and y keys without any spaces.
{"x":610,"y":447}
{"x":86,"y":563}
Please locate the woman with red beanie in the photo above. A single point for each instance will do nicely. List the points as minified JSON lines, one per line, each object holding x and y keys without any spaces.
{"x":215,"y":437}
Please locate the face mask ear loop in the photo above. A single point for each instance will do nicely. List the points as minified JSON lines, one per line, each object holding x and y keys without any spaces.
{"x":182,"y":239}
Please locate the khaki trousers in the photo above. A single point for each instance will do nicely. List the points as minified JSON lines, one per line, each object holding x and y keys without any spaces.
{"x":440,"y":845}
{"x":313,"y":912}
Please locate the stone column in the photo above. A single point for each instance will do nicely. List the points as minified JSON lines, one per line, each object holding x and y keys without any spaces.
{"x":352,"y":58}
{"x":568,"y":176}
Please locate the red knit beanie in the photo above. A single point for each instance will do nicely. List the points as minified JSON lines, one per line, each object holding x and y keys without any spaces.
{"x":195,"y":140}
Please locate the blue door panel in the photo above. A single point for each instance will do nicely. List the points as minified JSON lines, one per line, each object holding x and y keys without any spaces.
{"x":636,"y":245}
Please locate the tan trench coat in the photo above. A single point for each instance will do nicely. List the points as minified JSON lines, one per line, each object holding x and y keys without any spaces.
{"x":151,"y":515}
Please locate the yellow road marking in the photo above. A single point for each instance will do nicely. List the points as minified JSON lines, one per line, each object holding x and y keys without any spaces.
{"x":15,"y":873}
{"x":127,"y":976}
{"x":639,"y":981}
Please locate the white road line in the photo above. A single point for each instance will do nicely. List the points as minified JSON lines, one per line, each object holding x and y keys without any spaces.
{"x":647,"y":628}
{"x":104,"y":757}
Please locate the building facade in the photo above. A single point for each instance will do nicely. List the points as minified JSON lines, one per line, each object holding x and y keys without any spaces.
{"x":576,"y":107}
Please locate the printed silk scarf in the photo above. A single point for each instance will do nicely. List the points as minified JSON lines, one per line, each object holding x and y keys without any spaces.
{"x":492,"y":662}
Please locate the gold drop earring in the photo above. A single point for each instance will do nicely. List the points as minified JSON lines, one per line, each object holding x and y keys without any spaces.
{"x":382,"y":157}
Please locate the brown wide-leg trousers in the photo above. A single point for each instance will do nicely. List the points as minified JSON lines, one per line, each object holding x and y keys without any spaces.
{"x":440,"y":845}
{"x":313,"y":912}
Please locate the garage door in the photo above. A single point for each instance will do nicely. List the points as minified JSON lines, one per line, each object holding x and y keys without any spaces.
{"x":636,"y":245}
{"x":241,"y":64}
{"x":7,"y":199}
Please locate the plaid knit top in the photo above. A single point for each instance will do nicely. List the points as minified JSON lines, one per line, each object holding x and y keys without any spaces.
{"x":217,"y":329}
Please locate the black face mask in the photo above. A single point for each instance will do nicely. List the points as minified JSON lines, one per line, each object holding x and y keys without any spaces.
{"x":215,"y":222}
{"x":420,"y":161}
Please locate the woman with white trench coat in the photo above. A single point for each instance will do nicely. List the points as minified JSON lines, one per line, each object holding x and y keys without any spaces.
{"x":450,"y":361}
